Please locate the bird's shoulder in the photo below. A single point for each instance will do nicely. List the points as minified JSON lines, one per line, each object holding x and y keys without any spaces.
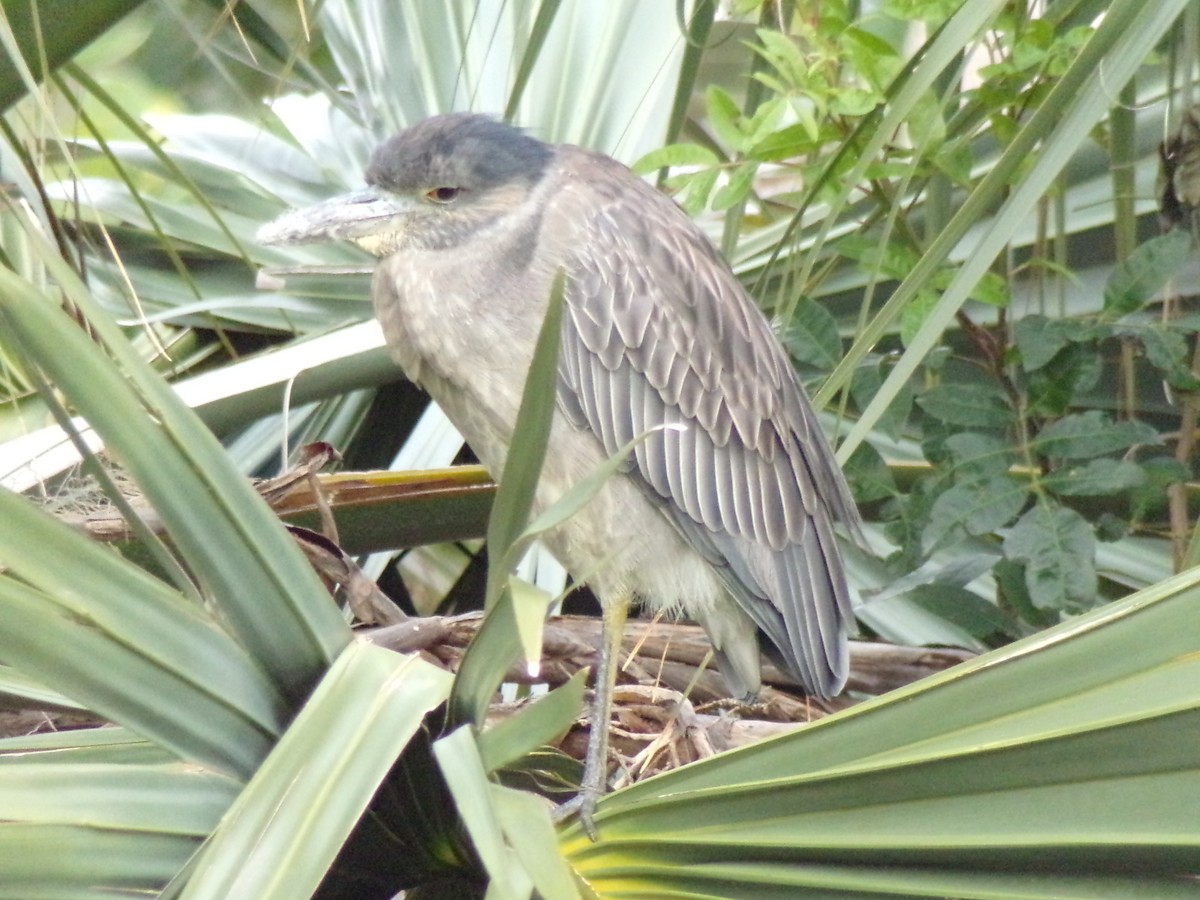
{"x":604,"y":200}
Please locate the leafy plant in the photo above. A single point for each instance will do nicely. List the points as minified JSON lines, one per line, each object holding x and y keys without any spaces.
{"x":862,"y":188}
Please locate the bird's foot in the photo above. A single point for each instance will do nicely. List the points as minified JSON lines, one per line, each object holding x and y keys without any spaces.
{"x":583,"y":803}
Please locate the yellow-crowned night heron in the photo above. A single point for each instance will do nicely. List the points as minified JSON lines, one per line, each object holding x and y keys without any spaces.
{"x":727,"y":517}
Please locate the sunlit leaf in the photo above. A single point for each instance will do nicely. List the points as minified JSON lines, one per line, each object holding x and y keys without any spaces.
{"x":674,"y":155}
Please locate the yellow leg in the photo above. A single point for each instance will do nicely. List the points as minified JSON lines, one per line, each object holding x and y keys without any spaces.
{"x":595,"y":768}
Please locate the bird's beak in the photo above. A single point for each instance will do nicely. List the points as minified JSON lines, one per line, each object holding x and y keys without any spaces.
{"x":361,"y":217}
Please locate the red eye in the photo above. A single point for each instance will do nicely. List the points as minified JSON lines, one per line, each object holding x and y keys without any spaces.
{"x":443,"y":194}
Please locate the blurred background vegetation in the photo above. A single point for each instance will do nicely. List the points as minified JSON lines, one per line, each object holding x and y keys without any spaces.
{"x":974,"y":225}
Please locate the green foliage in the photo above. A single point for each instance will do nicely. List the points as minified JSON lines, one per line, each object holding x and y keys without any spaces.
{"x":1028,"y":458}
{"x":1017,"y":417}
{"x":1057,"y":547}
{"x":1089,"y":434}
{"x":966,"y":404}
{"x":822,"y":77}
{"x":995,"y":763}
{"x":873,"y":197}
{"x":1015,"y":465}
{"x":1020,"y":460}
{"x":812,"y":335}
{"x":1145,"y":271}
{"x":867,"y":381}
{"x":674,"y":155}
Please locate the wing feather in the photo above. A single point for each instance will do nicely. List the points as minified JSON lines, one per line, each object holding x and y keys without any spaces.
{"x":658,"y":330}
{"x":708,"y":484}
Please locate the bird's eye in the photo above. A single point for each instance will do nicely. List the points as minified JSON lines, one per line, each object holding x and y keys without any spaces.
{"x":443,"y":194}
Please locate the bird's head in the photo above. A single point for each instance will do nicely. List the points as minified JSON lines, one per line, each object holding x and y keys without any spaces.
{"x":431,"y":186}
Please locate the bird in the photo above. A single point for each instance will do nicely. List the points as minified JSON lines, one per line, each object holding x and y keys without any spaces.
{"x":727,"y":508}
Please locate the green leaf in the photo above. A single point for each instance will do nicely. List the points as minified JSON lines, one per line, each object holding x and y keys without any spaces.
{"x":1089,"y":434}
{"x":1013,"y":594}
{"x":458,"y":757}
{"x":112,"y":744}
{"x":955,"y":161}
{"x":916,"y":313}
{"x":806,"y":114}
{"x":116,"y":670}
{"x":934,"y":434}
{"x":1161,"y":472}
{"x":1168,"y":351}
{"x":976,"y":454}
{"x":866,"y":382}
{"x":697,"y":188}
{"x":785,"y":143}
{"x":741,"y":180}
{"x":933,"y":11}
{"x":854,"y":102}
{"x":534,"y":725}
{"x":1039,"y":339}
{"x":141,"y":654}
{"x":1074,"y":733}
{"x":872,"y":56}
{"x":906,"y":531}
{"x":172,"y":797}
{"x":523,"y":468}
{"x":48,"y":33}
{"x":812,"y":335}
{"x":19,"y":690}
{"x":1188,"y":322}
{"x":69,"y":861}
{"x":1059,"y":550}
{"x":992,"y":290}
{"x":1055,"y":387}
{"x":976,"y":507}
{"x":285,"y":829}
{"x":1139,"y":277}
{"x":1097,"y":477}
{"x":869,"y":476}
{"x":724,"y":117}
{"x":674,"y":155}
{"x":531,"y":605}
{"x":495,"y":646}
{"x":967,"y":404}
{"x":892,"y":259}
{"x":251,"y":568}
{"x":964,"y":608}
{"x":766,"y":119}
{"x":1166,"y":348}
{"x":525,"y":821}
{"x":1026,"y":169}
{"x":783,"y":53}
{"x":1110,"y":528}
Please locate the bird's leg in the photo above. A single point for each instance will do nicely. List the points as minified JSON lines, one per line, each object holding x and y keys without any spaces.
{"x":595,"y":768}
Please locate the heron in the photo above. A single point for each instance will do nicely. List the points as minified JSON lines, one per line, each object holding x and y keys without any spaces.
{"x":726,"y":509}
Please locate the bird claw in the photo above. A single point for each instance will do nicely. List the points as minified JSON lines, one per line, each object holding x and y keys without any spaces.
{"x":587,"y":812}
{"x":583,"y":803}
